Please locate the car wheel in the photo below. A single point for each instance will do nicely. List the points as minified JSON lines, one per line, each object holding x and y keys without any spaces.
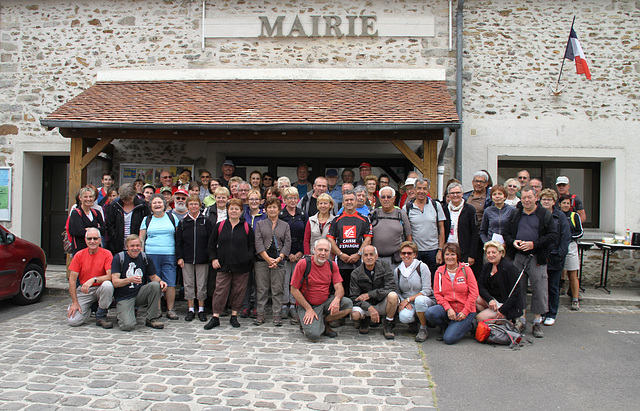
{"x":31,"y":285}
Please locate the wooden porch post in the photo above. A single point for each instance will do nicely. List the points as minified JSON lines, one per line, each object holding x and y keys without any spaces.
{"x":428,"y":165}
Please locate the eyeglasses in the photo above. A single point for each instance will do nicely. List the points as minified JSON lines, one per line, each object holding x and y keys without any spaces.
{"x":512,"y":186}
{"x":522,"y":178}
{"x":92,"y":238}
{"x":201,"y":177}
{"x":166,"y":177}
{"x":479,"y":182}
{"x":267,"y":178}
{"x":181,"y":198}
{"x":385,"y":197}
{"x":243,"y":190}
{"x":254,"y":200}
{"x":407,"y":253}
{"x":457,"y":193}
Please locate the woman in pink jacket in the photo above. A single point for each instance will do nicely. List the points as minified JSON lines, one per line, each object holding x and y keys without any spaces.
{"x":456,"y":291}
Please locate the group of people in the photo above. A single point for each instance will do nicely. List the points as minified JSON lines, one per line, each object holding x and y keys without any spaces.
{"x":322,"y":251}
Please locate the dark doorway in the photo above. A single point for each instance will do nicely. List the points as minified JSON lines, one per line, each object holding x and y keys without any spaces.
{"x":55,"y":201}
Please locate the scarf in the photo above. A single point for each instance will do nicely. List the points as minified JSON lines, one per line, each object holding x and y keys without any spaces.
{"x":455,"y":214}
{"x":406,"y":271}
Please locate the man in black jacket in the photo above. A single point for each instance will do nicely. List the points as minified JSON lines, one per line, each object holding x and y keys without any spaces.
{"x":461,"y":225}
{"x":372,"y":291}
{"x":118,"y":227}
{"x":531,"y":232}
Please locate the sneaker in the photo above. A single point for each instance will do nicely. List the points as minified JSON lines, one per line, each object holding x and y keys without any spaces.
{"x":171,"y":314}
{"x":277,"y":321}
{"x":245,"y":313}
{"x":293,"y":312}
{"x":213,"y":322}
{"x":328,"y":331}
{"x":154,"y":324}
{"x":190,"y":316}
{"x":422,"y":335}
{"x":259,"y":319}
{"x":285,"y":311}
{"x":387,"y":330}
{"x":414,"y":327}
{"x":549,"y":321}
{"x":295,"y":320}
{"x":364,"y":325}
{"x":104,"y":323}
{"x":254,"y":313}
{"x":202,"y":316}
{"x":575,"y":306}
{"x":234,"y":321}
{"x":520,"y":326}
{"x":536,"y":330}
{"x":440,"y":336}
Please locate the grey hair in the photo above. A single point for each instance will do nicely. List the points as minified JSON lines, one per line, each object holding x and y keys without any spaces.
{"x":359,"y":189}
{"x":348,"y":192}
{"x":91,"y":229}
{"x":315,"y":244}
{"x":126,"y":190}
{"x":161,"y":197}
{"x":283,"y":179}
{"x":453,"y":185}
{"x":422,"y":180}
{"x":481,"y":174}
{"x":388,"y":188}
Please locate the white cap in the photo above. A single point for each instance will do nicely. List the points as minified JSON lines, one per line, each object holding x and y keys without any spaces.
{"x":562,"y":180}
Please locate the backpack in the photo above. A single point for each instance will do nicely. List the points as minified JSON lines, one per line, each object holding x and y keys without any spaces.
{"x":67,"y":239}
{"x":246,"y":227}
{"x":418,"y":270}
{"x":374,"y":217}
{"x":307,"y":270}
{"x":121,"y":256}
{"x":499,"y":331}
{"x":171,"y":217}
{"x":409,"y":206}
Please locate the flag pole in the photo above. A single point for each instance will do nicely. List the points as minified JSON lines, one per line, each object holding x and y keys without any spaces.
{"x":563,"y":57}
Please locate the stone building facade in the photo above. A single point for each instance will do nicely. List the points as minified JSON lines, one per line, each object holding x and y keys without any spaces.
{"x":52,"y":50}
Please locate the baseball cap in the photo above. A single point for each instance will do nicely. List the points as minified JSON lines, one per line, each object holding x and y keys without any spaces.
{"x":332,"y":172}
{"x":181,"y":191}
{"x":163,"y":189}
{"x":365,"y":165}
{"x":409,"y":182}
{"x":228,"y":163}
{"x":148,"y":186}
{"x":562,"y":180}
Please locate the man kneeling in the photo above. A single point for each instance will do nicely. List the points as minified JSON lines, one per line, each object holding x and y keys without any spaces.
{"x":310,"y":283}
{"x":371,"y":289}
{"x":136,"y":285}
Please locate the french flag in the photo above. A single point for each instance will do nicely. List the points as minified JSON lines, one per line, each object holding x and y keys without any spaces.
{"x":574,"y":52}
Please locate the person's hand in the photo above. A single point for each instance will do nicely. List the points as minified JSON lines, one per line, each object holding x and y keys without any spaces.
{"x":499,"y":315}
{"x":375,"y":317}
{"x":136,"y":279}
{"x":451,"y":314}
{"x":439,"y":258}
{"x":273,"y":262}
{"x":493,"y":304}
{"x":334,"y":307}
{"x":163,"y":285}
{"x":292,"y":258}
{"x":72,"y":309}
{"x":363,"y":297}
{"x":526,"y":245}
{"x":461,"y":316}
{"x":215,"y":263}
{"x":405,"y":304}
{"x":353,"y":258}
{"x":181,"y":263}
{"x":309,"y":316}
{"x":87,"y":285}
{"x":471,"y":261}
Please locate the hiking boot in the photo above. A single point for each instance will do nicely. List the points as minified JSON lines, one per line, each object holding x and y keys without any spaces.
{"x":245,"y":313}
{"x":536,"y":330}
{"x":277,"y":321}
{"x":190,"y":316}
{"x":575,"y":306}
{"x":520,"y":326}
{"x":387,"y":330}
{"x":285,"y":311}
{"x":171,"y":314}
{"x":422,"y":335}
{"x":259,"y":319}
{"x":293,"y":312}
{"x":154,"y":324}
{"x":414,"y":327}
{"x":549,"y":321}
{"x":202,"y":316}
{"x":364,"y":325}
{"x":104,"y":323}
{"x":295,"y":320}
{"x":328,"y":331}
{"x":440,"y":336}
{"x":254,"y":313}
{"x":213,"y":322}
{"x":234,"y":321}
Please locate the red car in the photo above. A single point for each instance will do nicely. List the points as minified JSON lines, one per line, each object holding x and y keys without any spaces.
{"x":22,"y":267}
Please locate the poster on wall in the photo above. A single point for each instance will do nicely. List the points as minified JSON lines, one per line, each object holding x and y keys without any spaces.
{"x":5,"y":193}
{"x":150,"y":173}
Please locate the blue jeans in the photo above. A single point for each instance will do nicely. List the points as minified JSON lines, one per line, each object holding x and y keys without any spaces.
{"x":453,"y":330}
{"x":420,"y":305}
{"x":429,"y":258}
{"x":554,"y":291}
{"x":165,"y":267}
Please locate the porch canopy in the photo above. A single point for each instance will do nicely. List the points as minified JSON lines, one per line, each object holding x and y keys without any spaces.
{"x":252,"y":110}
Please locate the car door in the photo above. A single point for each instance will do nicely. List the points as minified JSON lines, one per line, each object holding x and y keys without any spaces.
{"x":11,"y":265}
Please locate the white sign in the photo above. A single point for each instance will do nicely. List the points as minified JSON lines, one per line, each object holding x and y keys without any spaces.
{"x":317,"y":26}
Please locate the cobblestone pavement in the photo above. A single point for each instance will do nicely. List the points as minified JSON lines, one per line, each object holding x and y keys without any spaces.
{"x":45,"y":364}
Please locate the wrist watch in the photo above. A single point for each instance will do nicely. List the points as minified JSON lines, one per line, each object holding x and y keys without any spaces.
{"x":95,"y":280}
{"x":360,"y":253}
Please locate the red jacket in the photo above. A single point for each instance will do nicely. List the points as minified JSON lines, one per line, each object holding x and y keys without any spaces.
{"x":461,"y":295}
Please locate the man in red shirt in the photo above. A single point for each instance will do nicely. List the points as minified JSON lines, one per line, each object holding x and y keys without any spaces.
{"x":315,"y":305}
{"x":90,"y":281}
{"x":167,"y":181}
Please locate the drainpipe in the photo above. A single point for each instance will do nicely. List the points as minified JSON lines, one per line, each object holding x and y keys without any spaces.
{"x":446,"y":132}
{"x":459,"y":69}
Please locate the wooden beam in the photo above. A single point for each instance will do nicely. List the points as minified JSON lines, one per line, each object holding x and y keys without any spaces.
{"x":431,"y":163}
{"x":95,"y":150}
{"x":75,"y":168}
{"x":410,"y":155}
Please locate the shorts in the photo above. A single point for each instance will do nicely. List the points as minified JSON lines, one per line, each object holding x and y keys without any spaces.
{"x":165,"y":267}
{"x":571,"y":261}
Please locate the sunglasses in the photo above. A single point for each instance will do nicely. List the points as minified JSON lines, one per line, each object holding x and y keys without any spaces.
{"x":385,"y":197}
{"x":92,"y":238}
{"x":407,"y":253}
{"x":181,"y":198}
{"x":166,"y":177}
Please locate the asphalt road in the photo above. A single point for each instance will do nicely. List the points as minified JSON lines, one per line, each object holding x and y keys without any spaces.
{"x":586,"y":361}
{"x":9,"y":309}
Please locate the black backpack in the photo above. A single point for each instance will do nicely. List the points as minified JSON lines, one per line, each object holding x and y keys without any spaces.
{"x":307,"y":270}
